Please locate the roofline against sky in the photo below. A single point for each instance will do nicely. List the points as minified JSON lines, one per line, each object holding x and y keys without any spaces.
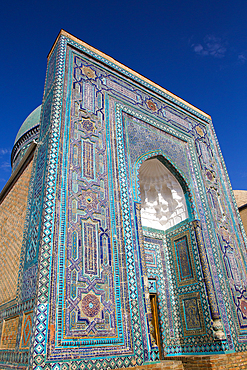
{"x":112,"y":60}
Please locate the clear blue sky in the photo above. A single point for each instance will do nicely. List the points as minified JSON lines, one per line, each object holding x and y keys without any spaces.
{"x":195,"y":49}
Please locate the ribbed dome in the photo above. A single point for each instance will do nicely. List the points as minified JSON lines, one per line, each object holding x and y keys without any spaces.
{"x":28,"y":132}
{"x":31,"y":121}
{"x":155,"y":170}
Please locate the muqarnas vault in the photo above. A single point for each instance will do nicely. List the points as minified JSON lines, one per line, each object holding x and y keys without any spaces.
{"x":126,"y":244}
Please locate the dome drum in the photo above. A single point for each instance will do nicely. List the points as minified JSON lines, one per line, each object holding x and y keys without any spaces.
{"x":28,"y":132}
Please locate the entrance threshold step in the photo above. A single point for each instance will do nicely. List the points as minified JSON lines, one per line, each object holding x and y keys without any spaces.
{"x":161,"y":365}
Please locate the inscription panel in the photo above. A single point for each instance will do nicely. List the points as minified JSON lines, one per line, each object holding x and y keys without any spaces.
{"x":183,"y":259}
{"x":191,"y":312}
{"x":88,"y":160}
{"x":90,"y":249}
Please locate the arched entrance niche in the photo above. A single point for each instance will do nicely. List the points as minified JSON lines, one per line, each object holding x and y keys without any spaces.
{"x":165,"y":201}
{"x":164,"y":194}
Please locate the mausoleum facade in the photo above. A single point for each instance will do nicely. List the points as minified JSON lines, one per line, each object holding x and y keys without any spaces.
{"x":121,"y":240}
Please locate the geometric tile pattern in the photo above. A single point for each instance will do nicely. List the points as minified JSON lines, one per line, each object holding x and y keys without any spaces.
{"x":39,"y":345}
{"x":89,"y":312}
{"x":26,"y":330}
{"x":183,"y":308}
{"x":91,"y":297}
{"x":96,"y":103}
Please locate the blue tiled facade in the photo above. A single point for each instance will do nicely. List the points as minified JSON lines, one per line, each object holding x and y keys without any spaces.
{"x":87,"y":264}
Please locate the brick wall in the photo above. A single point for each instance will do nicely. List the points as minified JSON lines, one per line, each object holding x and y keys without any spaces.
{"x":12,"y":218}
{"x":232,"y":361}
{"x":219,"y":362}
